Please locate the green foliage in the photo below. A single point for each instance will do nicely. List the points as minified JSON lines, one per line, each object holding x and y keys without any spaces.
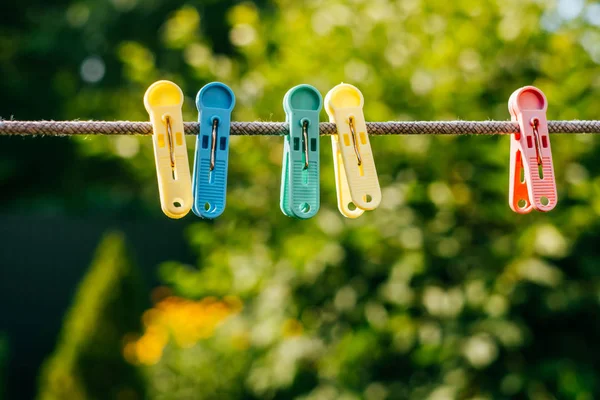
{"x":442,"y":292}
{"x":211,"y":371}
{"x":87,"y":363}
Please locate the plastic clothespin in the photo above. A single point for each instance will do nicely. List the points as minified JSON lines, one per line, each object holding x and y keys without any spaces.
{"x":214,"y":102}
{"x":356,"y":179}
{"x":163,"y":101}
{"x":531,"y":184}
{"x":300,"y":197}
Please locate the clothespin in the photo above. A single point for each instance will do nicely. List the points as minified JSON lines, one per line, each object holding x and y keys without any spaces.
{"x":531,"y":184}
{"x":214,"y":102}
{"x":300,"y":167}
{"x":356,"y":179}
{"x":163,"y":101}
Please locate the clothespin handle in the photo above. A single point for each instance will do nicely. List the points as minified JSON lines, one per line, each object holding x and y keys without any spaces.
{"x":531,"y":151}
{"x":163,"y":101}
{"x":344,"y":198}
{"x":518,"y":192}
{"x":356,"y":176}
{"x":300,"y":189}
{"x":214,"y":101}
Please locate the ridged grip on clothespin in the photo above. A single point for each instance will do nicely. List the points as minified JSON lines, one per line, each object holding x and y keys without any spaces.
{"x":531,"y":154}
{"x":357,"y":183}
{"x":163,"y":101}
{"x":214,"y":101}
{"x":300,"y":187}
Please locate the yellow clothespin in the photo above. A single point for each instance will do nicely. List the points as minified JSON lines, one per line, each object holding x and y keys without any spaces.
{"x":355,"y":174}
{"x":163,"y":101}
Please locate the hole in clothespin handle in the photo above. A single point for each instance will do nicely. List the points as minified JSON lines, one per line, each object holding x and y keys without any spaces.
{"x":305,"y":207}
{"x":178,"y":203}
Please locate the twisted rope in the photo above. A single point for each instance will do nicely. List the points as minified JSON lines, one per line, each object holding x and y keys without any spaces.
{"x":68,"y":128}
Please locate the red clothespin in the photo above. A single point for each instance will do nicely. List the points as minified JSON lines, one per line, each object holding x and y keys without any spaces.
{"x":532,"y":182}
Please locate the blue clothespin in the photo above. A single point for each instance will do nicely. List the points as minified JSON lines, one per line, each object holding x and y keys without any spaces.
{"x":300,"y":173}
{"x":209,"y":182}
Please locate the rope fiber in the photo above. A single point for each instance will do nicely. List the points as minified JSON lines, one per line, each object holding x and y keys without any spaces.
{"x":69,"y":128}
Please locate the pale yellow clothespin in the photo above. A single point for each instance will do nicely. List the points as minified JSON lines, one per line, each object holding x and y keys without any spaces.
{"x":163,"y":101}
{"x":355,"y":174}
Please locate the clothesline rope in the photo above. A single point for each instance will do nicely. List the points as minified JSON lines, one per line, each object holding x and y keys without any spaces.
{"x":69,"y":128}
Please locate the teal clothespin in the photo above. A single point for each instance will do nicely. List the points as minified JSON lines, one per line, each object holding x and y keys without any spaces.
{"x":209,"y":181}
{"x":300,"y":173}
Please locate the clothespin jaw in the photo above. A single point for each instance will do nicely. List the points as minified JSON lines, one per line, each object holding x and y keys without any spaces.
{"x":531,"y":154}
{"x":356,"y":180}
{"x":300,"y":188}
{"x":214,"y":101}
{"x":163,"y":101}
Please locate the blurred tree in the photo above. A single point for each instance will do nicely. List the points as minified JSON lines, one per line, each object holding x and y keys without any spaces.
{"x":442,"y":292}
{"x":88,"y":361}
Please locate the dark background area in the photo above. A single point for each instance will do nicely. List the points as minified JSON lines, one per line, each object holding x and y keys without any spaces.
{"x":43,"y":259}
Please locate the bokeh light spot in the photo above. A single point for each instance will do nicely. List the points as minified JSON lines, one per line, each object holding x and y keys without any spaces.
{"x":92,"y":69}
